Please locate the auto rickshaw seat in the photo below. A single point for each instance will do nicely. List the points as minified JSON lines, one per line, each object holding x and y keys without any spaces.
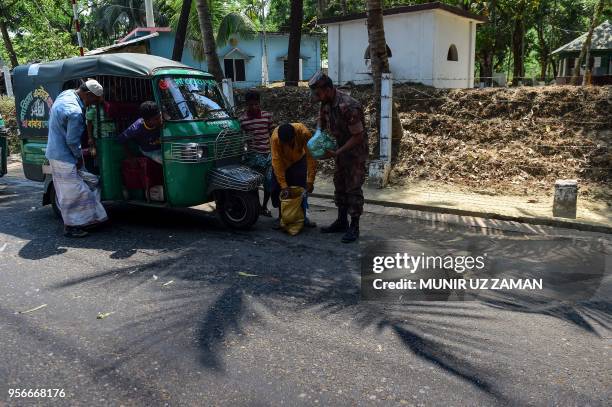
{"x":141,"y":173}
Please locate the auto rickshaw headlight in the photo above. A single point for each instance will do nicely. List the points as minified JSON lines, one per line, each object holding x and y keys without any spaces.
{"x":201,"y":152}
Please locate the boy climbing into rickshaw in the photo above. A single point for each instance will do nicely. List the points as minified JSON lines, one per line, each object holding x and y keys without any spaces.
{"x":146,"y":131}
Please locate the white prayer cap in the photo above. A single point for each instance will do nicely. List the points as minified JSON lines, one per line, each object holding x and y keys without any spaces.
{"x":94,"y":87}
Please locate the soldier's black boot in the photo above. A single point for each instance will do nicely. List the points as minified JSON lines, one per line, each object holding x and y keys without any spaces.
{"x":352,"y":233}
{"x":340,"y":225}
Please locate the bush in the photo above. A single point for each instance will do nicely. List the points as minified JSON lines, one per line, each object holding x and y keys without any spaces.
{"x":7,"y":110}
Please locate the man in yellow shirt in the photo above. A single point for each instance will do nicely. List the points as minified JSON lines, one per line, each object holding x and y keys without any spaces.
{"x":292,"y":164}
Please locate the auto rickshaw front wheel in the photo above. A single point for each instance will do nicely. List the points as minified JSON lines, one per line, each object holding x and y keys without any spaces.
{"x":238,"y":209}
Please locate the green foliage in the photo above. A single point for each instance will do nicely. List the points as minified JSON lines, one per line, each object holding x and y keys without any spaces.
{"x":235,"y":23}
{"x":194,"y":36}
{"x":39,"y":30}
{"x":45,"y":45}
{"x":43,"y":29}
{"x":7,"y":110}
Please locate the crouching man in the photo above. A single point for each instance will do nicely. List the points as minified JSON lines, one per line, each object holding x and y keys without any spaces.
{"x":342,"y":117}
{"x":80,"y":206}
{"x":292,"y":164}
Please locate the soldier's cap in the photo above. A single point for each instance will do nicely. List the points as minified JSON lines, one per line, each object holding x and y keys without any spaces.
{"x":320,"y":79}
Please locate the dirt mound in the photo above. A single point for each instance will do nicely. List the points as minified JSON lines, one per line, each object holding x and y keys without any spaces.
{"x":496,"y":139}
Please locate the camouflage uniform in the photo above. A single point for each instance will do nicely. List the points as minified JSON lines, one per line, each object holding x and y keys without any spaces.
{"x":343,"y":118}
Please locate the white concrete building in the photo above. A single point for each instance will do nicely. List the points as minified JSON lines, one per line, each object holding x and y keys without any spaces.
{"x":430,"y":43}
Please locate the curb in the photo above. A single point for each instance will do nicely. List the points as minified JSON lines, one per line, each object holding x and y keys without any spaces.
{"x":569,"y":224}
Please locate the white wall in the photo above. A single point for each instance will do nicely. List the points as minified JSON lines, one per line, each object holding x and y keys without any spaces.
{"x":452,"y":29}
{"x":410,"y":38}
{"x":416,"y":40}
{"x":347,"y":43}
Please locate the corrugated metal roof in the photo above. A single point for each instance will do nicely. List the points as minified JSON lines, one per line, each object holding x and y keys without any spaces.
{"x":601,"y":40}
{"x":119,"y":45}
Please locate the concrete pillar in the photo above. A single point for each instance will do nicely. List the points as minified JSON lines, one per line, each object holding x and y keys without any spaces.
{"x":228,"y":90}
{"x":566,"y":198}
{"x":379,"y":169}
{"x":386,"y":105}
{"x":7,"y":80}
{"x":149,"y":13}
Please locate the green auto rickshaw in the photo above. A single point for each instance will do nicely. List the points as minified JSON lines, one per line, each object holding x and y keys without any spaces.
{"x":3,"y":147}
{"x":201,"y":141}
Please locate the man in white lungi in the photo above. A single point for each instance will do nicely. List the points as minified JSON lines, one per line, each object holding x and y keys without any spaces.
{"x":79,"y":203}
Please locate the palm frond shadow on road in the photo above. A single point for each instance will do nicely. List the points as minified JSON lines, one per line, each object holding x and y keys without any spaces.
{"x":220,"y":301}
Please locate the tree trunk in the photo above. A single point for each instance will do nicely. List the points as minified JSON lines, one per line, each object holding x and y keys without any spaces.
{"x":208,"y":37}
{"x":321,"y":7}
{"x":181,"y":31}
{"x":553,"y":64}
{"x":378,"y":48}
{"x":544,"y":57}
{"x":586,"y":79}
{"x":343,"y":7}
{"x":380,"y":63}
{"x":587,"y":43}
{"x":265,"y":79}
{"x":517,"y":50}
{"x":295,"y":36}
{"x":486,"y":68}
{"x":8,"y":44}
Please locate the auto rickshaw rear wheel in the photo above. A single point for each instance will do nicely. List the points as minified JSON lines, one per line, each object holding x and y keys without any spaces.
{"x":53,"y":199}
{"x":238,"y":209}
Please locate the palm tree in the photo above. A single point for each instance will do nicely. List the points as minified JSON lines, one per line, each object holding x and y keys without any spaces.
{"x":295,"y":35}
{"x":208,"y":39}
{"x":259,"y":10}
{"x":115,"y":18}
{"x":378,"y":47}
{"x":181,"y":31}
{"x":228,"y":23}
{"x":235,"y":24}
{"x":380,"y":61}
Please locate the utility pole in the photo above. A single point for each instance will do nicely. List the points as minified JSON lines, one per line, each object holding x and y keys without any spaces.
{"x":149,"y":13}
{"x":77,"y":26}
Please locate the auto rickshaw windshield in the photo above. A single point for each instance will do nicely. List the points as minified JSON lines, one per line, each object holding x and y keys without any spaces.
{"x":190,"y":98}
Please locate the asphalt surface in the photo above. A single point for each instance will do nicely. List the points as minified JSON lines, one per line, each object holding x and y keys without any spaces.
{"x":197,"y":315}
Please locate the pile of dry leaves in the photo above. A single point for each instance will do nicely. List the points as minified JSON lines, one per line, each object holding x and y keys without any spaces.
{"x":496,"y":139}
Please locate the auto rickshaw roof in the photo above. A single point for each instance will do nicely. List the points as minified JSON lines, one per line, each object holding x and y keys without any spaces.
{"x":119,"y":64}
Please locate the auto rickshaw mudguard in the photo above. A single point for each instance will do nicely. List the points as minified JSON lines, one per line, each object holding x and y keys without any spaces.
{"x":234,"y":177}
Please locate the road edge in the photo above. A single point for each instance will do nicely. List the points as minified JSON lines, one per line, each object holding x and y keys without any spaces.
{"x":561,"y":223}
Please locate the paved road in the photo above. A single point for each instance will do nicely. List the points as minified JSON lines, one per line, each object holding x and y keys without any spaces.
{"x":200,"y":315}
